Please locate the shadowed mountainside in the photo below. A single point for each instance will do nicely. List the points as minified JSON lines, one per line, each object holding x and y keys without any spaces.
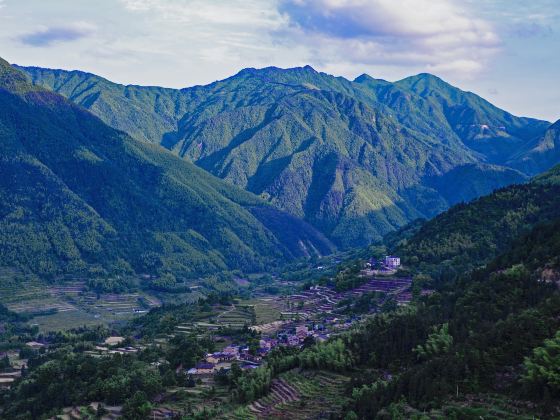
{"x":77,"y":195}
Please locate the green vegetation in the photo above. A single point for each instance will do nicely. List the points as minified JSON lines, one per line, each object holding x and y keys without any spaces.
{"x":485,"y":344}
{"x":470,"y":235}
{"x":78,"y":197}
{"x":438,"y":342}
{"x":542,"y":368}
{"x":354,"y":158}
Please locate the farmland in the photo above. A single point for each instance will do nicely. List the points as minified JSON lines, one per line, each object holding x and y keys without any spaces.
{"x":70,"y":304}
{"x":301,"y":394}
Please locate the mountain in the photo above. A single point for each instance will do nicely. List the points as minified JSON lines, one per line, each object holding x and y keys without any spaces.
{"x":542,"y":153}
{"x":470,"y":235}
{"x":481,"y":126}
{"x":356,"y":159}
{"x":78,"y":196}
{"x":483,"y":346}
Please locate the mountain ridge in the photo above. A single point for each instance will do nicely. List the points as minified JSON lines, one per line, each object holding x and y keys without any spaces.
{"x":79,"y":195}
{"x":356,"y":159}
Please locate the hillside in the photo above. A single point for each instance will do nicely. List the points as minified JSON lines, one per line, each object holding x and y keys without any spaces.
{"x":484,"y":345}
{"x":542,"y":153}
{"x":356,"y":159}
{"x":480,"y":348}
{"x":470,"y":235}
{"x":78,"y":196}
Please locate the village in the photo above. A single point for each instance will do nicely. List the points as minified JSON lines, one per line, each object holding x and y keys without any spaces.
{"x":244,"y":332}
{"x":310,"y":316}
{"x":297,"y":320}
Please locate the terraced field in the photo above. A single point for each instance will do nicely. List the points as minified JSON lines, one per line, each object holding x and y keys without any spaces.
{"x":485,"y":406}
{"x":237,"y":316}
{"x":267,"y":310}
{"x":89,"y":412}
{"x":68,"y":304}
{"x":298,"y":395}
{"x":234,"y":316}
{"x":29,"y":295}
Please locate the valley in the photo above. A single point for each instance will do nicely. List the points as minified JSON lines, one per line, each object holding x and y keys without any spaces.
{"x":280,"y":243}
{"x":243,"y":332}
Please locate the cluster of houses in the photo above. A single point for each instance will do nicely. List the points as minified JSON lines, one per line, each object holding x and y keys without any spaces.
{"x":292,"y":337}
{"x":216,"y":361}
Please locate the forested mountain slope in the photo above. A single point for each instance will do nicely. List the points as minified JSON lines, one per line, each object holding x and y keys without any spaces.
{"x":484,"y":346}
{"x":78,"y":196}
{"x":542,"y":153}
{"x":469,"y":235}
{"x":354,"y":158}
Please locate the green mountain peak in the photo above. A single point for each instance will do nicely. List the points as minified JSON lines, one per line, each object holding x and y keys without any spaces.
{"x":77,"y":196}
{"x":356,"y":159}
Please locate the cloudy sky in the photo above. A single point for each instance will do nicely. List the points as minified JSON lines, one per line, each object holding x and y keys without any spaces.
{"x":505,"y":50}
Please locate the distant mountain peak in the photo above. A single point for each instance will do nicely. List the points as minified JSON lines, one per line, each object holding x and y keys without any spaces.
{"x":365,"y":78}
{"x":13,"y":79}
{"x":425,"y":79}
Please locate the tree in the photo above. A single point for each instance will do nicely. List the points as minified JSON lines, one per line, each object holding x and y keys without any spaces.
{"x":542,"y":368}
{"x":5,"y":362}
{"x":138,"y":407}
{"x":438,"y":342}
{"x":389,"y":305}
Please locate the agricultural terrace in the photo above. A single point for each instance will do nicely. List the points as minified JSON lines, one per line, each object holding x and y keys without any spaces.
{"x":70,"y":305}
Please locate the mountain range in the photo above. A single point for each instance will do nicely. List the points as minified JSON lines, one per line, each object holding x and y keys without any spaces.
{"x":77,"y":196}
{"x":355,"y":159}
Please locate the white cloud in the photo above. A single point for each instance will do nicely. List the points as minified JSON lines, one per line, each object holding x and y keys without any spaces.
{"x":234,"y":32}
{"x":434,"y":35}
{"x":48,"y":35}
{"x":248,"y":14}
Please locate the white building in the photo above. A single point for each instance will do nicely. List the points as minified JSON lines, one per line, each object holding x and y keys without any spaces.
{"x":392,"y":262}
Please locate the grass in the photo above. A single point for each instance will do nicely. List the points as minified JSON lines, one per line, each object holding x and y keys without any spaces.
{"x":66,"y":320}
{"x":266,"y":311}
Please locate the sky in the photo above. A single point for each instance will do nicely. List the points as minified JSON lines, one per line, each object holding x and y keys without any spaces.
{"x":507,"y":51}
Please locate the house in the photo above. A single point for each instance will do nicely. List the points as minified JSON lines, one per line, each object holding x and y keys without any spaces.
{"x":34,"y":345}
{"x":213,"y":357}
{"x":226,"y":357}
{"x":293,"y":340}
{"x":231,"y":351}
{"x":302,"y":331}
{"x":267,"y":343}
{"x":204,"y":367}
{"x":392,"y":262}
{"x":113,"y":341}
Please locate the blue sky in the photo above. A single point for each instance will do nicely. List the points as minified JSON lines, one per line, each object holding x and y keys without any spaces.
{"x":505,"y":50}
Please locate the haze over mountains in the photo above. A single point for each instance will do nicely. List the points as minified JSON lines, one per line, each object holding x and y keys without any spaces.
{"x":78,"y":195}
{"x":356,"y":159}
